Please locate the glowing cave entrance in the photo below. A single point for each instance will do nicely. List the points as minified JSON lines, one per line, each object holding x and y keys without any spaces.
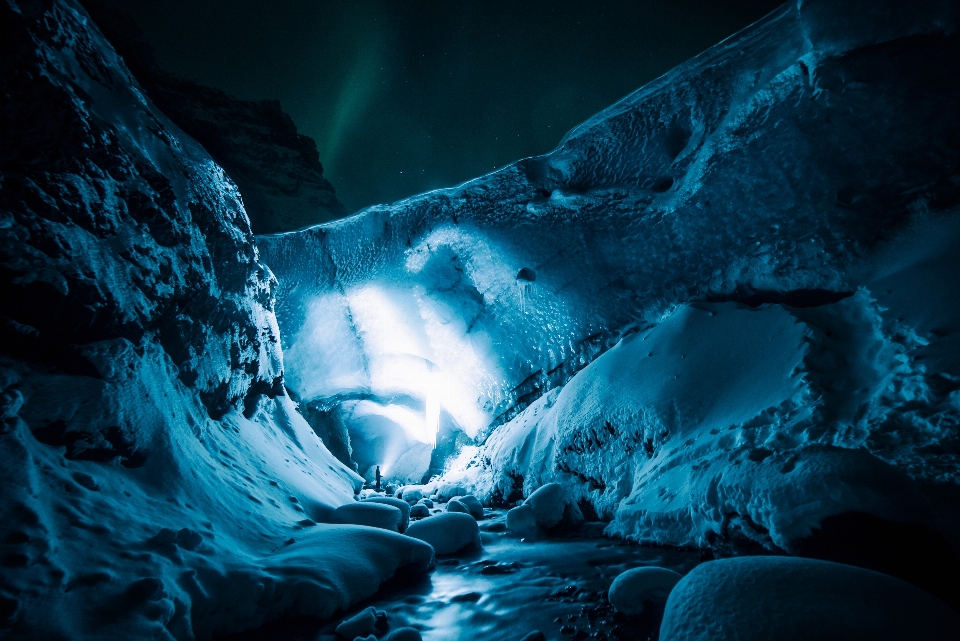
{"x":413,"y":361}
{"x":395,"y":373}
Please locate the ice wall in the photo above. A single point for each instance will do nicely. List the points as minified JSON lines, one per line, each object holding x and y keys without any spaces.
{"x":807,"y":161}
{"x":157,"y":482}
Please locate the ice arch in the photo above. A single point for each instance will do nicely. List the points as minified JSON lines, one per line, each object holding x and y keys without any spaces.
{"x":436,"y":342}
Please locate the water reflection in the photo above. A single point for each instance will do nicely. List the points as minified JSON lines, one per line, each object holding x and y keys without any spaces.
{"x":512,"y":587}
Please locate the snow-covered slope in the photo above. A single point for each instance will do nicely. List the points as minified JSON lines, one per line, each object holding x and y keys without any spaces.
{"x":807,"y":168}
{"x":157,"y":482}
{"x":724,"y":422}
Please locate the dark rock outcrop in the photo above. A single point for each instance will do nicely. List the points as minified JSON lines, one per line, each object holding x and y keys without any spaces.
{"x":277,"y":169}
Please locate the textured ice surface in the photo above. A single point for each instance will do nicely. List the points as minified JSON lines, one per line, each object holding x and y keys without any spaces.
{"x":789,"y":165}
{"x":768,"y":233}
{"x":711,"y":424}
{"x":762,"y":245}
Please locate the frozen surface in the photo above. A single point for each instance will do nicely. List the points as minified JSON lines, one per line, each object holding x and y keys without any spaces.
{"x":157,"y":482}
{"x":714,"y":424}
{"x":769,"y":236}
{"x":721,"y":312}
{"x":760,"y":598}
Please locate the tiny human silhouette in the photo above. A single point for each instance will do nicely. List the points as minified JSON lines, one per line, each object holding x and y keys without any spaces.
{"x":378,"y":478}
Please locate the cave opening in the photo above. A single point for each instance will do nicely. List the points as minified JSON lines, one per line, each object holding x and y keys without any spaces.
{"x":693,"y":374}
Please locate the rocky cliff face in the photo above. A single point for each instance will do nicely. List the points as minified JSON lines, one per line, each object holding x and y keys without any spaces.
{"x":277,"y":169}
{"x":154,"y":474}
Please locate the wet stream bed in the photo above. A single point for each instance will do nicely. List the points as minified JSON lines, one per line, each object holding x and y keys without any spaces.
{"x":511,"y":587}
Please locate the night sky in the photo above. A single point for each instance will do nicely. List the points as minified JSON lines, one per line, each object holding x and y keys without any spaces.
{"x":404,"y":97}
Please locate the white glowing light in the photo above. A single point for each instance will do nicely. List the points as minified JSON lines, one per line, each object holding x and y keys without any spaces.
{"x":432,"y":414}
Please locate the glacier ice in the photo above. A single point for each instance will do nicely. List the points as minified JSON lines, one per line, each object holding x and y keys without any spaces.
{"x":720,"y":312}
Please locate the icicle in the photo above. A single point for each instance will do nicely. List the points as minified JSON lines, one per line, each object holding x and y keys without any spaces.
{"x":524,"y":277}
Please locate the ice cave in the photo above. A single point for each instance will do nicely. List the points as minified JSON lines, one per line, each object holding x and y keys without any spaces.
{"x":692,"y":375}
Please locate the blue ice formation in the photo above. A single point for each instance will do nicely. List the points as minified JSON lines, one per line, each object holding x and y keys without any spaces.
{"x":157,"y":482}
{"x":722,"y":312}
{"x":804,"y":166}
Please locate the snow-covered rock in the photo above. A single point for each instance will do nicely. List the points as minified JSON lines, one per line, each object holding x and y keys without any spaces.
{"x":448,"y":533}
{"x":371,"y":514}
{"x":404,"y":634}
{"x":401,"y":505}
{"x":410,"y":493}
{"x":419,"y":511}
{"x":760,"y":598}
{"x":740,"y":275}
{"x":547,"y":504}
{"x":362,"y":624}
{"x":633,"y":588}
{"x":469,"y":501}
{"x":521,"y":519}
{"x":453,"y":505}
{"x":446,"y":491}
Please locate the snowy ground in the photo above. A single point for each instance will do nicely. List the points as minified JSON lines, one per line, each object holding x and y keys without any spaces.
{"x":511,"y":588}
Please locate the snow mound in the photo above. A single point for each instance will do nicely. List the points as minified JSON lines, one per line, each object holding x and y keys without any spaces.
{"x":446,"y":491}
{"x":455,"y":506}
{"x":371,"y":514}
{"x":448,"y":533}
{"x":521,"y":519}
{"x":410,"y":493}
{"x":362,"y":624}
{"x":762,"y":598}
{"x":631,"y":589}
{"x":547,"y":504}
{"x":401,"y":505}
{"x":469,"y":501}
